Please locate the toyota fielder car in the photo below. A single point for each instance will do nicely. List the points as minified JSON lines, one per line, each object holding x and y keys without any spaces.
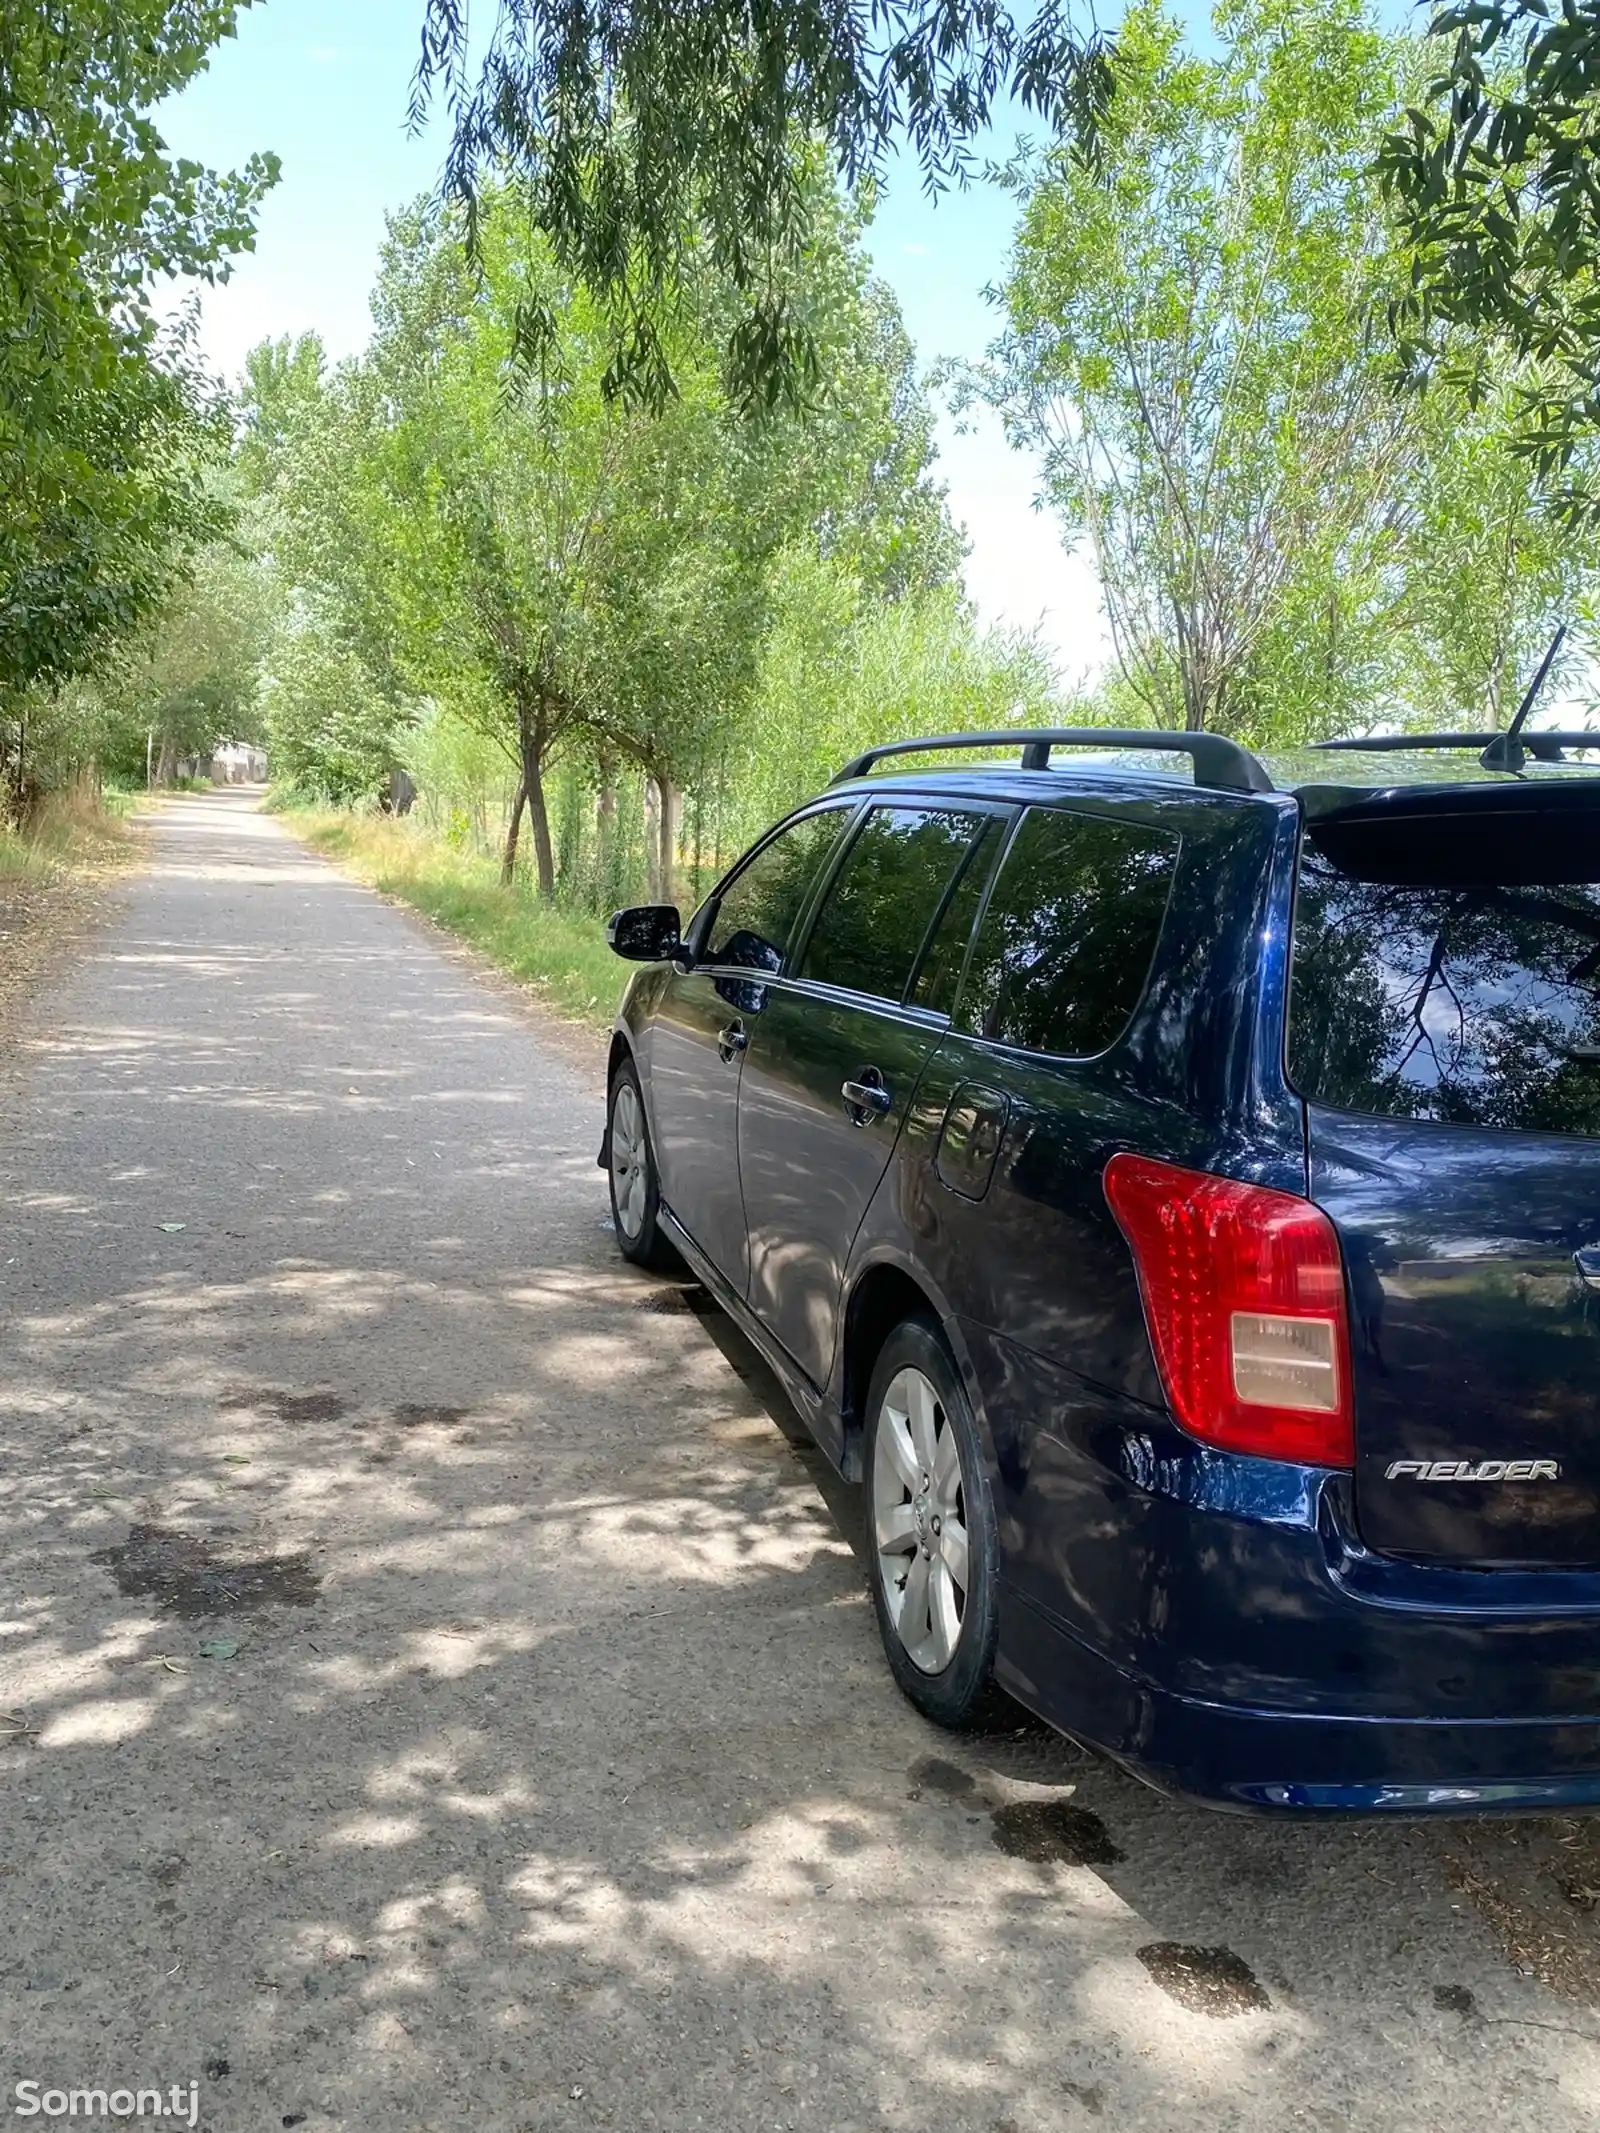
{"x":1172,"y":1189}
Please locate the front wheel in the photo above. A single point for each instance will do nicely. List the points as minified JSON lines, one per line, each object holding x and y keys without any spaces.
{"x":631,"y":1168}
{"x":933,"y":1547}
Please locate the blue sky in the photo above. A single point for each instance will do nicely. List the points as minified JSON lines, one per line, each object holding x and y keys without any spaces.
{"x":324,"y":83}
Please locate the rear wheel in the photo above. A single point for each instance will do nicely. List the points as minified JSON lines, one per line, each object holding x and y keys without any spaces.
{"x":932,"y":1543}
{"x":631,"y":1167}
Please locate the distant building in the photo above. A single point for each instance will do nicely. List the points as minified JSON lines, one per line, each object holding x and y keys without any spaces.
{"x":235,"y":763}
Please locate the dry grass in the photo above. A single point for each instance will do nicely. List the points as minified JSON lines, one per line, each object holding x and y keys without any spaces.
{"x":54,"y":882}
{"x":75,"y":829}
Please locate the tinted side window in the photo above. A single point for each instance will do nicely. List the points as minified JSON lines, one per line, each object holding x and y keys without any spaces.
{"x":884,"y":897}
{"x":757,"y":911}
{"x":939,"y":972}
{"x":1066,"y":944}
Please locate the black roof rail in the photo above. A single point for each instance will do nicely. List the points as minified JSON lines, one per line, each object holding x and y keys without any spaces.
{"x":1218,"y":762}
{"x":1497,"y":751}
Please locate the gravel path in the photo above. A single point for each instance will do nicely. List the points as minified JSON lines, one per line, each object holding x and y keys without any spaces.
{"x":442,"y":1696}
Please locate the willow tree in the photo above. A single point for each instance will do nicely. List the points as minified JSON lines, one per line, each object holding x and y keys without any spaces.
{"x":573,"y":570}
{"x":530,"y":530}
{"x":1491,"y":170}
{"x":1186,"y":346}
{"x":645,"y":137}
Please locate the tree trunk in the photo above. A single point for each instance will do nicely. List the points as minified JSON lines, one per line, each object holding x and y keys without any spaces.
{"x":508,"y":864}
{"x":669,"y":824}
{"x":605,"y":808}
{"x":539,"y":816}
{"x":652,"y":840}
{"x":167,"y":760}
{"x":533,"y":745}
{"x":13,"y":773}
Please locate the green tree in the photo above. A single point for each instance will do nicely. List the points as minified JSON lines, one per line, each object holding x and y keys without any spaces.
{"x":1184,"y":346}
{"x":103,"y":422}
{"x":841,"y":667}
{"x":1485,"y":570}
{"x":1492,"y":172}
{"x":191,"y":678}
{"x":330,"y":729}
{"x":1289,"y":544}
{"x":564,"y":569}
{"x":649,"y":135}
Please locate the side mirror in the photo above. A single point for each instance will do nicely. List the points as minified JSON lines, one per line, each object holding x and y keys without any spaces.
{"x":645,"y":933}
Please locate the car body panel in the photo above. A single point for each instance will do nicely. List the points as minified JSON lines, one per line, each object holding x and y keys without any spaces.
{"x":1475,"y":1335}
{"x":692,"y":1098}
{"x":808,"y":1165}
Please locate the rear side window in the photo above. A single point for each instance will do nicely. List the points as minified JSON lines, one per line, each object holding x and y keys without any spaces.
{"x":1450,"y":969}
{"x":1066,"y":943}
{"x":758,"y":911}
{"x":885,"y":897}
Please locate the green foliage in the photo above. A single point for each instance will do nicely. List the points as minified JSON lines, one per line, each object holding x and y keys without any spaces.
{"x":1492,"y":173}
{"x":1185,"y":344}
{"x":190,"y":679}
{"x":655,"y":141}
{"x":839,"y":670}
{"x":96,"y":517}
{"x":1289,"y":544}
{"x":573,"y":579}
{"x":105,"y":426}
{"x":330,"y":731}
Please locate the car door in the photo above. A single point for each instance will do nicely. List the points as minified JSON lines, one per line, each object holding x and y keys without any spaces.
{"x":833,"y":1060}
{"x":695,"y":1041}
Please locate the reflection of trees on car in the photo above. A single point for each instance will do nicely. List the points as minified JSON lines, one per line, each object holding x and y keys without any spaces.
{"x":1466,"y":1004}
{"x":1065,"y":946}
{"x":868,"y":932}
{"x":757,"y":911}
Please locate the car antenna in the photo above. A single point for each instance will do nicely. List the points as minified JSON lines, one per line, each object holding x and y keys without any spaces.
{"x":1505,"y":751}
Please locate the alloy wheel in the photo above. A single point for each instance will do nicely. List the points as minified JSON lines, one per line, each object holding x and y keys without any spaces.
{"x":919,"y":1520}
{"x":630,"y":1160}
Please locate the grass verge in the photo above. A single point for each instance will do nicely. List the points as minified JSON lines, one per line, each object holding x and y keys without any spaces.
{"x":559,"y":955}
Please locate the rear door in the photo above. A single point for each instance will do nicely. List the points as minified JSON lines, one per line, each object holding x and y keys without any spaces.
{"x":1445,"y":1031}
{"x":835,"y":1055}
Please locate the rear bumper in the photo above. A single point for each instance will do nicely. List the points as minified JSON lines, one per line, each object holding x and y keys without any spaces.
{"x":1274,"y":1761}
{"x":1214,"y":1623}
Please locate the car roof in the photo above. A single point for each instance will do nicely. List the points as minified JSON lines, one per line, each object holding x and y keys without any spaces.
{"x":1321,"y":781}
{"x":1124,"y":778}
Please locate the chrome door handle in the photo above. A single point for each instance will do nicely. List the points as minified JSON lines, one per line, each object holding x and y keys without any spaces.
{"x":731,"y":1041}
{"x":866,"y":1100}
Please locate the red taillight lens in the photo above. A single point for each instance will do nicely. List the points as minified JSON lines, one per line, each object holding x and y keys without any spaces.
{"x":1244,"y":1297}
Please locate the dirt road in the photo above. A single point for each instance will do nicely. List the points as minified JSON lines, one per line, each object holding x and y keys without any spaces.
{"x":441,"y":1696}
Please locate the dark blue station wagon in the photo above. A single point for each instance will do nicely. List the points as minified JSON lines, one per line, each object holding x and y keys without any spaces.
{"x":1177,"y":1202}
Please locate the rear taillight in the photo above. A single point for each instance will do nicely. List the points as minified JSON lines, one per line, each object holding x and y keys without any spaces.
{"x":1244,"y":1297}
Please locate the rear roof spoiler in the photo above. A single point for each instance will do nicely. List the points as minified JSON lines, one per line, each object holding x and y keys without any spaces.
{"x":1219,"y":764}
{"x":1497,"y":751}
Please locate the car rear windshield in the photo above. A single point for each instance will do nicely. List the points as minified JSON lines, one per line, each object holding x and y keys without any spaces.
{"x":1447,"y":962}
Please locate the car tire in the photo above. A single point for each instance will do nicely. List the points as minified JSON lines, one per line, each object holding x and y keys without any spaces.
{"x":926,"y":1484}
{"x":631,"y":1173}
